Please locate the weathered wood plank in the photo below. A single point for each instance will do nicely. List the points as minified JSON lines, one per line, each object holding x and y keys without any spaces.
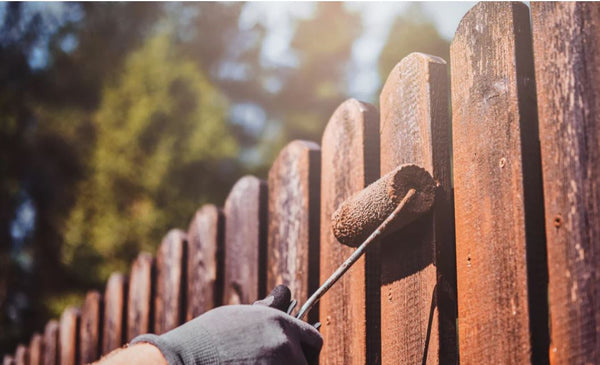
{"x":500,"y":240}
{"x":140,"y":299}
{"x":169,"y":302}
{"x":50,"y":356}
{"x":245,"y":241}
{"x":36,"y":349}
{"x":115,"y":297}
{"x":350,"y":311}
{"x":69,"y":336}
{"x":205,"y":261}
{"x":22,"y":355}
{"x":418,"y":291}
{"x":293,"y":241}
{"x":90,"y":328}
{"x":566,"y":39}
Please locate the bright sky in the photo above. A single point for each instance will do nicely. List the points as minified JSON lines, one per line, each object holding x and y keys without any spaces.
{"x":377,"y":19}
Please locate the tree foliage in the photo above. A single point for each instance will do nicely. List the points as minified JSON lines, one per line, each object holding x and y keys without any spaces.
{"x":123,"y":127}
{"x":160,"y":139}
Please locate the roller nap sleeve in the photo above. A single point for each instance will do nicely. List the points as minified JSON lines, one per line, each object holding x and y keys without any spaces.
{"x":361,"y":214}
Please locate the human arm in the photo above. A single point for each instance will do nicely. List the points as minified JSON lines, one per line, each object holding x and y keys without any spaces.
{"x":143,"y":353}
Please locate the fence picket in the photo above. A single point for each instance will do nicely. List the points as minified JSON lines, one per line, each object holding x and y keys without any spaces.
{"x":140,"y":296}
{"x":418,"y":289}
{"x":91,"y":325}
{"x":50,"y":356}
{"x":566,"y":39}
{"x":36,"y":349}
{"x":245,"y":241}
{"x":475,"y":276}
{"x":500,"y":243}
{"x":349,"y":312}
{"x":169,"y":302}
{"x":115,"y":297}
{"x":293,"y":241}
{"x":205,"y":261}
{"x":68,"y":335}
{"x":22,"y":355}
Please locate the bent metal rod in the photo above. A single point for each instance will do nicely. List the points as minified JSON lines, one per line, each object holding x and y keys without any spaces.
{"x":341,"y":270}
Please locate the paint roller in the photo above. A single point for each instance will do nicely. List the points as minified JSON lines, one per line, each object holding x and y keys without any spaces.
{"x":385,"y":206}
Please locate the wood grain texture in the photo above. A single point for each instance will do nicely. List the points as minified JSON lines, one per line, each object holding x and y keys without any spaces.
{"x":169,"y":302}
{"x":36,"y":349}
{"x":349,"y":312}
{"x":140,"y":298}
{"x":205,"y":261}
{"x":115,"y":298}
{"x":566,"y":39}
{"x":22,"y":355}
{"x":418,"y":292}
{"x":51,"y":343}
{"x":68,"y":336}
{"x":500,"y":239}
{"x":294,"y":199}
{"x":245,"y":241}
{"x":91,"y":327}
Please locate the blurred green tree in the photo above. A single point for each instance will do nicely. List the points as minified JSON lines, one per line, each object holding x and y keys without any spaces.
{"x":120,"y":130}
{"x":57,"y":64}
{"x":160,"y":141}
{"x":412,"y":31}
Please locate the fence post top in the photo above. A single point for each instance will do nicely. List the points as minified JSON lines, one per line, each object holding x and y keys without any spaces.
{"x":115,"y":277}
{"x":409,"y":62}
{"x":295,"y":147}
{"x":207,"y":209}
{"x":244,"y":183}
{"x":51,"y":325}
{"x":485,"y":7}
{"x":301,"y":143}
{"x":174,"y":234}
{"x":92,"y":295}
{"x":350,"y":112}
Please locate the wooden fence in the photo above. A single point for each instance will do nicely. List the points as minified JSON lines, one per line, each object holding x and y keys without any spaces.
{"x":505,"y":269}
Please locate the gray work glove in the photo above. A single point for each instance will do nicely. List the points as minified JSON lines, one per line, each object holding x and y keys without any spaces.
{"x":261,"y":333}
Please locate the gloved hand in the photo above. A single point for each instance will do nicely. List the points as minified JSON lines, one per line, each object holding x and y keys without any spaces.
{"x":261,"y":333}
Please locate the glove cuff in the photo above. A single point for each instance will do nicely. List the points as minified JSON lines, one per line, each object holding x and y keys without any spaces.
{"x":183,"y":348}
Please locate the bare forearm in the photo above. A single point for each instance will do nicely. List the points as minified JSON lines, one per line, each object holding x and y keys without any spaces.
{"x":142,"y":353}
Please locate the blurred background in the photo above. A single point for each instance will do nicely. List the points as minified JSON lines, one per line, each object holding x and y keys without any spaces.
{"x":118,"y":120}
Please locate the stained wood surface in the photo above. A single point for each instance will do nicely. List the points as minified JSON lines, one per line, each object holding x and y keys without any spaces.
{"x":36,"y":349}
{"x":566,"y":39}
{"x":418,"y":291}
{"x":91,"y":327}
{"x":349,"y":312}
{"x":50,"y":356}
{"x":205,"y":261}
{"x":169,"y":302}
{"x":500,"y":243}
{"x":140,"y":296}
{"x":293,"y":241}
{"x":68,"y":335}
{"x":22,"y":355}
{"x":245,"y":241}
{"x":115,"y":298}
